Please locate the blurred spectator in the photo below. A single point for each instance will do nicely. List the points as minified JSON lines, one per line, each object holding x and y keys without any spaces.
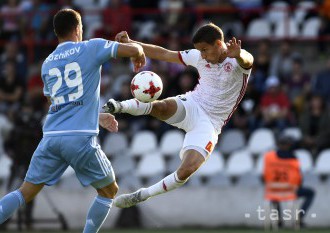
{"x":298,"y":85}
{"x":274,"y":105}
{"x":5,"y":128}
{"x":116,"y":17}
{"x":174,"y":43}
{"x":11,"y":21}
{"x":324,"y":30}
{"x":35,"y":96}
{"x":283,"y":178}
{"x":246,"y":9}
{"x":314,"y":125}
{"x":38,"y":21}
{"x":63,"y":4}
{"x":19,"y":147}
{"x":11,"y":89}
{"x":184,"y":82}
{"x":142,"y":5}
{"x":12,"y":53}
{"x":250,"y":107}
{"x":210,"y":3}
{"x":261,"y":66}
{"x":281,"y":63}
{"x":26,"y":5}
{"x":176,"y":17}
{"x":321,"y":83}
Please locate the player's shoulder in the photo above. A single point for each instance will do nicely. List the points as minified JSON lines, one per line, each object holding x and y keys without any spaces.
{"x":49,"y":58}
{"x":100,"y":42}
{"x":191,"y":52}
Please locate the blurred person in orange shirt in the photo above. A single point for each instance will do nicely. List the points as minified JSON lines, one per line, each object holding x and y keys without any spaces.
{"x":281,"y":167}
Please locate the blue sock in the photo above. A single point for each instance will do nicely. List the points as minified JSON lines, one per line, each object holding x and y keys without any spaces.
{"x":97,"y":214}
{"x":9,"y":204}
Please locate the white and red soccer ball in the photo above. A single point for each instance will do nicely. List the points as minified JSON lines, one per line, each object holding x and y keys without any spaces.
{"x":146,"y":86}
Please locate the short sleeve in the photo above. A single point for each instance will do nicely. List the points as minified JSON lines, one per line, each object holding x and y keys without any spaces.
{"x":102,"y":50}
{"x":244,"y":70}
{"x":189,"y":57}
{"x":45,"y":89}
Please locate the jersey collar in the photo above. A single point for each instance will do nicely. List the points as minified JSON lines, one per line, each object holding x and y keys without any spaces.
{"x":64,"y":43}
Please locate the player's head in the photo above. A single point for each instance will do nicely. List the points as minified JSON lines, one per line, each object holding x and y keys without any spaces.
{"x":285,"y":142}
{"x":67,"y":25}
{"x":209,"y":40}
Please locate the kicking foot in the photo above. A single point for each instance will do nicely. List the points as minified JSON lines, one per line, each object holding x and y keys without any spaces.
{"x":112,"y":106}
{"x":130,"y":199}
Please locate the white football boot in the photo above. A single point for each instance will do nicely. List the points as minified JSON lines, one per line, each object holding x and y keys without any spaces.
{"x":128,"y":200}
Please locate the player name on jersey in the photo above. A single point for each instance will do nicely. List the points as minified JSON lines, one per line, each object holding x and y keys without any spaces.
{"x":62,"y":55}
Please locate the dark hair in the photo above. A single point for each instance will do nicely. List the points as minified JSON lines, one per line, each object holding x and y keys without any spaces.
{"x":208,"y":33}
{"x":65,"y":21}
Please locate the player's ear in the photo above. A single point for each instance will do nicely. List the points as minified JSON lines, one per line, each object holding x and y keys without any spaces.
{"x":77,"y":30}
{"x":218,"y":43}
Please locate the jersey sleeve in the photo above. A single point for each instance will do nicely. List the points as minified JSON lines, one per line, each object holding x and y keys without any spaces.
{"x":245,"y":71}
{"x":45,"y":88}
{"x":189,"y":57}
{"x":103,"y":50}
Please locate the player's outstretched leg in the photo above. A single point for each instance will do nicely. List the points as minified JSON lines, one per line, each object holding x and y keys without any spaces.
{"x":170,"y":110}
{"x":165,"y":185}
{"x":131,"y":106}
{"x":192,"y":160}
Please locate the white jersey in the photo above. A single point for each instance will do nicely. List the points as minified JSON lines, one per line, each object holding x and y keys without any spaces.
{"x":221,"y":86}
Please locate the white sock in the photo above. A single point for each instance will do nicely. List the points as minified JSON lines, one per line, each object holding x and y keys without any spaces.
{"x":167,"y":184}
{"x":135,"y":107}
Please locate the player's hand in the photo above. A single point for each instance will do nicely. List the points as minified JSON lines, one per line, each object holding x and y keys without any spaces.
{"x":233,"y":48}
{"x":122,"y":37}
{"x":108,"y":121}
{"x":138,"y":62}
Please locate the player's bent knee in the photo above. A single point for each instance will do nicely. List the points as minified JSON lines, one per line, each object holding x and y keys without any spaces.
{"x":158,"y":109}
{"x":109,"y":191}
{"x":185,"y":172}
{"x":163,"y":109}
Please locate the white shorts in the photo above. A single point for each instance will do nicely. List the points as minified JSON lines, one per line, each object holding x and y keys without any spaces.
{"x":200,"y":132}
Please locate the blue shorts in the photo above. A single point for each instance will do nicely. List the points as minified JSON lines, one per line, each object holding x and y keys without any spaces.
{"x":55,"y":153}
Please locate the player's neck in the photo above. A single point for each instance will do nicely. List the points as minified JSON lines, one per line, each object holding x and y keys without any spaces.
{"x":68,"y":39}
{"x":221,"y":59}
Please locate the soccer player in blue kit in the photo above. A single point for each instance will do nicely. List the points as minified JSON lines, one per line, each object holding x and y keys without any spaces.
{"x":71,"y":76}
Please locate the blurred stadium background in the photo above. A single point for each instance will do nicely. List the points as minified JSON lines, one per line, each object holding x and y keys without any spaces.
{"x":290,"y":43}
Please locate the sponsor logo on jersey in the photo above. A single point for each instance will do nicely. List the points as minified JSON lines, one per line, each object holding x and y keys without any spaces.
{"x":207,"y":66}
{"x":182,"y":97}
{"x":209,"y":147}
{"x":187,"y":51}
{"x":108,"y":44}
{"x":228,"y":67}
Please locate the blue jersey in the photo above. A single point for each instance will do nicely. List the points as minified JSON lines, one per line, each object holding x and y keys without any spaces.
{"x":71,"y":76}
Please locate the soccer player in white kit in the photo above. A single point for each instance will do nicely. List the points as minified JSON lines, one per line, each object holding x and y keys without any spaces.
{"x":224,"y":70}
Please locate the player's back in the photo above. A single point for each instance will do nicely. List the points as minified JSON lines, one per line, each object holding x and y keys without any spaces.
{"x":71,"y":76}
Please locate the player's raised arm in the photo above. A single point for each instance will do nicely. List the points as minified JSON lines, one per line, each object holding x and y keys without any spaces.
{"x":151,"y":51}
{"x":243,"y":57}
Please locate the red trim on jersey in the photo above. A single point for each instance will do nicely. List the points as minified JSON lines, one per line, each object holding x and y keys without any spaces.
{"x":246,"y":68}
{"x":164,"y":186}
{"x":240,"y":97}
{"x":180,"y":57}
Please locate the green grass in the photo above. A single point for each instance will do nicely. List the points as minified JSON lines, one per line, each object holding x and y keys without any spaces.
{"x":185,"y":231}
